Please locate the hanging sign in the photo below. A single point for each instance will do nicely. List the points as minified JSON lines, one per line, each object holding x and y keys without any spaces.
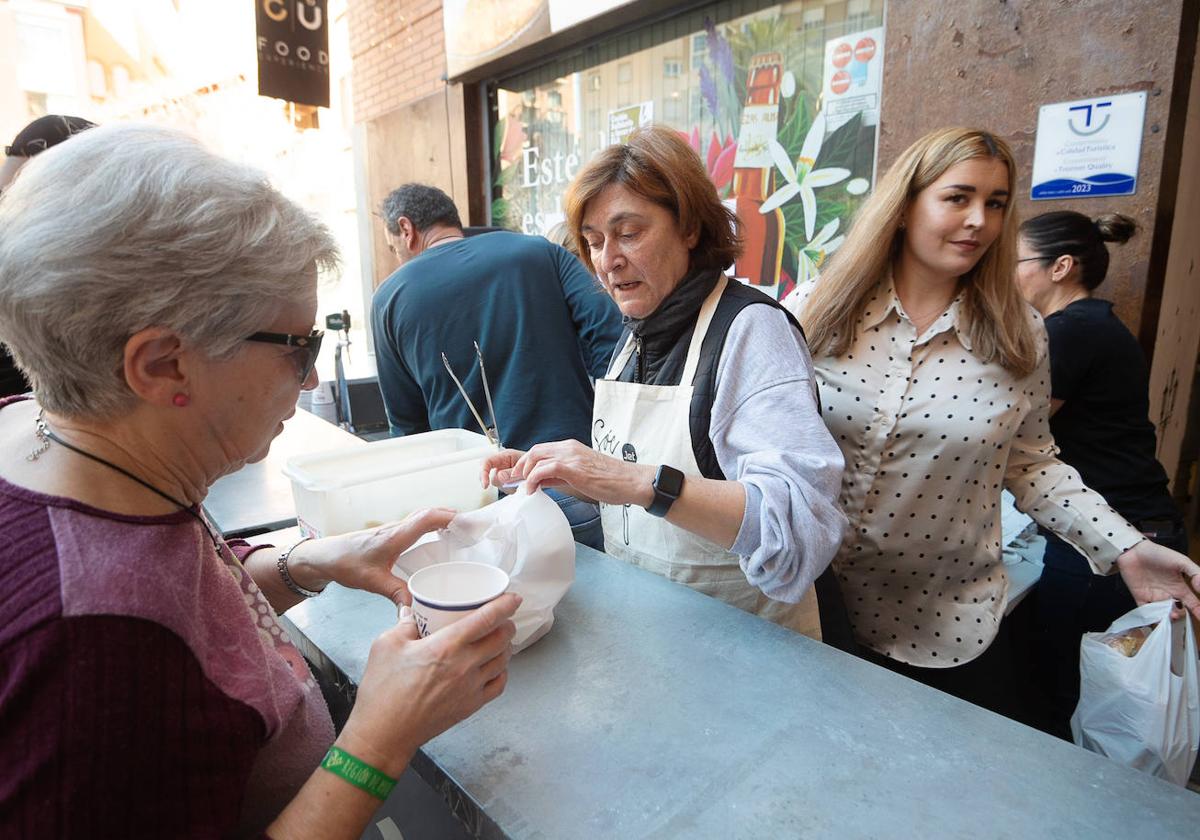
{"x":1089,"y":147}
{"x":293,"y":50}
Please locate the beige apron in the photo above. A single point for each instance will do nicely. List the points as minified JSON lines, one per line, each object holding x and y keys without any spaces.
{"x":650,"y":424}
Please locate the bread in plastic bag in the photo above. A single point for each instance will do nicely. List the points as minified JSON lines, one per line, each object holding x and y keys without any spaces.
{"x":1129,"y":642}
{"x":1143,"y":710}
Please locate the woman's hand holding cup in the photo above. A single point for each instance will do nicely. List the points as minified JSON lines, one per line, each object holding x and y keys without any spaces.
{"x":364,"y":559}
{"x":414,"y":689}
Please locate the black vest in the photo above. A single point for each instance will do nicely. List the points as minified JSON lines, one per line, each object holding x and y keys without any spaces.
{"x":736,"y":297}
{"x":835,"y":620}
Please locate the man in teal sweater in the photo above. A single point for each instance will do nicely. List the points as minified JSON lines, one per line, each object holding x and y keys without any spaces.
{"x":542,"y":322}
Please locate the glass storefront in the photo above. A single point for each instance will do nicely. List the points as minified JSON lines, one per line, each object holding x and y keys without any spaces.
{"x":781,"y":102}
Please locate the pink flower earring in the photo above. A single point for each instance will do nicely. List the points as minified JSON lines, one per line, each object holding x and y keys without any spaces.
{"x":180,"y":400}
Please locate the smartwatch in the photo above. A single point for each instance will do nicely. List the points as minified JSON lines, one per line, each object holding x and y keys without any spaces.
{"x":668,"y":484}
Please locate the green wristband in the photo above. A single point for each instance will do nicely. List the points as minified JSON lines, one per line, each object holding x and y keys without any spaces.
{"x":358,"y":773}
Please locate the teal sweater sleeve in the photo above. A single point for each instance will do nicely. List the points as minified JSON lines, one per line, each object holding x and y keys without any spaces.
{"x":596,"y":318}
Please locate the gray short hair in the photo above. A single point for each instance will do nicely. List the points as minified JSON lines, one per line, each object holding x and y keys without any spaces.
{"x":421,"y":204}
{"x":130,"y":226}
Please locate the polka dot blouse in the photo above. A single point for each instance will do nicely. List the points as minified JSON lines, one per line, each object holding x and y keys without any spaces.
{"x":931,"y":435}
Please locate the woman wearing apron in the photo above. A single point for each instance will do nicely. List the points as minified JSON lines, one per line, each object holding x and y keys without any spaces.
{"x":709,"y":457}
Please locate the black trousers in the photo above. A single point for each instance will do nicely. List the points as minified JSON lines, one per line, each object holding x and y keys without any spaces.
{"x":1068,"y":601}
{"x":993,"y":680}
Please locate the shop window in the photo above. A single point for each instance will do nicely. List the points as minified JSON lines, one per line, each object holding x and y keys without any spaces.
{"x":120,"y":81}
{"x":673,"y":111}
{"x":35,"y":104}
{"x":781,"y":105}
{"x":44,"y":45}
{"x":858,"y":13}
{"x":97,"y":85}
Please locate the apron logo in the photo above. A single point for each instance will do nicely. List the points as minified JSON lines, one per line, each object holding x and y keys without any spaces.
{"x":629,"y":454}
{"x":603,"y":441}
{"x":606,"y":442}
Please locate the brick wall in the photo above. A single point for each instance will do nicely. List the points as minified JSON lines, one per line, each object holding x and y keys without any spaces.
{"x":399,"y":53}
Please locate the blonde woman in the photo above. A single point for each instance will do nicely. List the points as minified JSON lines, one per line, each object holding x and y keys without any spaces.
{"x":935,"y":383}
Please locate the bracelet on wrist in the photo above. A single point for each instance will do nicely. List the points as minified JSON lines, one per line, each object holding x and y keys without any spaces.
{"x":358,"y":773}
{"x":282,"y":565}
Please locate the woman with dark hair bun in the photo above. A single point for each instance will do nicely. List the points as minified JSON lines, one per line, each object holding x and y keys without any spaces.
{"x":1099,"y":418}
{"x":1069,"y":256}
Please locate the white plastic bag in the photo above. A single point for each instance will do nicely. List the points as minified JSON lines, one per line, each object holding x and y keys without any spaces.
{"x":1142,"y":711}
{"x":526,"y":535}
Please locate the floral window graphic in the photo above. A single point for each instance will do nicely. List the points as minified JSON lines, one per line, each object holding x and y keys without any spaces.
{"x":781,"y":106}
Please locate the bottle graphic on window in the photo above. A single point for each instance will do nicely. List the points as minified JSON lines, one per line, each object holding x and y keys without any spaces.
{"x":762,"y":254}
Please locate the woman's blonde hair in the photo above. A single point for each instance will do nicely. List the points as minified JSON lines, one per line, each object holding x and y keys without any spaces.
{"x":995,"y":317}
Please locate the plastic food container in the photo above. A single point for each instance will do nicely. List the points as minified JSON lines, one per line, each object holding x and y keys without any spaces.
{"x":342,"y":490}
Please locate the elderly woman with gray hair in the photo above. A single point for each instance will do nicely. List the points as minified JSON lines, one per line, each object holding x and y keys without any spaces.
{"x":161,"y":301}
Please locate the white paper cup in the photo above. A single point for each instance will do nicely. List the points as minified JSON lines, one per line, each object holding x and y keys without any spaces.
{"x":445,"y":592}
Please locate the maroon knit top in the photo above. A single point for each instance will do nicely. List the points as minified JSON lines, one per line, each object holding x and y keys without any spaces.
{"x":146,"y":689}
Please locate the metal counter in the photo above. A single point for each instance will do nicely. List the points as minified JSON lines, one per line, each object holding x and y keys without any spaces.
{"x":651,"y":711}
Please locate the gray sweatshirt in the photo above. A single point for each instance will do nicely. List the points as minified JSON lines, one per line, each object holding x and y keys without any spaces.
{"x":768,"y":434}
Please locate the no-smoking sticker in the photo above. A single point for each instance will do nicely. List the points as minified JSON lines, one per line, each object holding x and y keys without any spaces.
{"x":852,"y":77}
{"x":864,"y":50}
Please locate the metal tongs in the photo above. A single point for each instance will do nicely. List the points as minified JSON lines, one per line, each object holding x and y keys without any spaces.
{"x":492,"y":433}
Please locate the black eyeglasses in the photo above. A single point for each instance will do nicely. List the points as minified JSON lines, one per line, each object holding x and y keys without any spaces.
{"x":307,"y":348}
{"x":1027,"y":259}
